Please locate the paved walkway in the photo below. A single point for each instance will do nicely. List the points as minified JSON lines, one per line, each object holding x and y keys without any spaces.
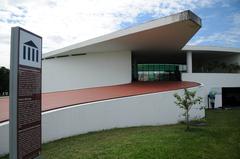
{"x":56,"y":100}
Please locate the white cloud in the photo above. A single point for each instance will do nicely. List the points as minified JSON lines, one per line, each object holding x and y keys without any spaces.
{"x":62,"y":23}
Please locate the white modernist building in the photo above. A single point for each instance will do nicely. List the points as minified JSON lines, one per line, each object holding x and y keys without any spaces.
{"x":153,"y":51}
{"x":148,"y":52}
{"x":113,"y":58}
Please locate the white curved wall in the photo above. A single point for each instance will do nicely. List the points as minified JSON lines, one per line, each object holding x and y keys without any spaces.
{"x":90,"y":70}
{"x":149,"y":109}
{"x":213,"y":80}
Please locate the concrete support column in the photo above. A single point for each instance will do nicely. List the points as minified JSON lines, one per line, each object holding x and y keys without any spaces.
{"x":189,"y":62}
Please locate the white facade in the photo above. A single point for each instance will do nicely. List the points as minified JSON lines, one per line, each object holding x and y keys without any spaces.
{"x":84,"y":71}
{"x":213,"y":80}
{"x":150,"y":109}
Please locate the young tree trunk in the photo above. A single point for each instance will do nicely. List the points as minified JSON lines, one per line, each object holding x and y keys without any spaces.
{"x":187,"y":121}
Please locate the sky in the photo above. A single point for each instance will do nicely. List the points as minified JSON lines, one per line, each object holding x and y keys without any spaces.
{"x":65,"y":22}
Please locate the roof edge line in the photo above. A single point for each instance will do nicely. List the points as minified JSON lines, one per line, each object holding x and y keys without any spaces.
{"x":182,"y":16}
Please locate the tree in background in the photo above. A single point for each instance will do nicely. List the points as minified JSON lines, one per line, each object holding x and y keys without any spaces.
{"x":186,"y":102}
{"x":4,"y":81}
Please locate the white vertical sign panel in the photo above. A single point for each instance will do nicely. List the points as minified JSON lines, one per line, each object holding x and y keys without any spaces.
{"x":25,"y":94}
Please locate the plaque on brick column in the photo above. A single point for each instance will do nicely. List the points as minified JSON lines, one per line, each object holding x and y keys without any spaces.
{"x":25,"y":94}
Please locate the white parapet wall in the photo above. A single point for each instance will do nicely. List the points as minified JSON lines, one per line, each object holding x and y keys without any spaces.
{"x":149,"y":109}
{"x":86,"y":70}
{"x":213,"y":80}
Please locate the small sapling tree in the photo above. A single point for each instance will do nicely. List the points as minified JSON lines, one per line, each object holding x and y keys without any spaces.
{"x":186,"y":102}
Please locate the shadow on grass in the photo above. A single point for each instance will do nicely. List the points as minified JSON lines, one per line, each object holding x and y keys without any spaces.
{"x":196,"y":129}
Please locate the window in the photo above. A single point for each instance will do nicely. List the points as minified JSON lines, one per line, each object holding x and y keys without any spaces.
{"x":159,"y":72}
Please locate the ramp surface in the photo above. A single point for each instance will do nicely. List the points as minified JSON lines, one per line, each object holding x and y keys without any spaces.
{"x":62,"y":99}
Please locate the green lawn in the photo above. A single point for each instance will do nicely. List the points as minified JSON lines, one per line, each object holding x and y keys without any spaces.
{"x":220,"y":139}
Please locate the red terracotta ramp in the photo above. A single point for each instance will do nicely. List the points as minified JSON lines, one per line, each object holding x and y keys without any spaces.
{"x":61,"y":99}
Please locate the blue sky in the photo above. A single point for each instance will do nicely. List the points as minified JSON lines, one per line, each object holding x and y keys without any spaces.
{"x":220,"y":25}
{"x":62,"y":23}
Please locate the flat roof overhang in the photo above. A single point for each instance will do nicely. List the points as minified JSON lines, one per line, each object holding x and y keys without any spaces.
{"x":210,"y":52}
{"x":210,"y":49}
{"x":168,"y":34}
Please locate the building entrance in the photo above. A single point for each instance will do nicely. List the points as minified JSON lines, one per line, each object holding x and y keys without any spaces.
{"x":159,"y":72}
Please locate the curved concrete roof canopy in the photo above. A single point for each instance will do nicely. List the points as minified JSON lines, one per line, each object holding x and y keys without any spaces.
{"x":207,"y":49}
{"x":167,"y":34}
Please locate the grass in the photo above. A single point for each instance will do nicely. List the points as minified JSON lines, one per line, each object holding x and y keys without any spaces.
{"x":220,"y":139}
